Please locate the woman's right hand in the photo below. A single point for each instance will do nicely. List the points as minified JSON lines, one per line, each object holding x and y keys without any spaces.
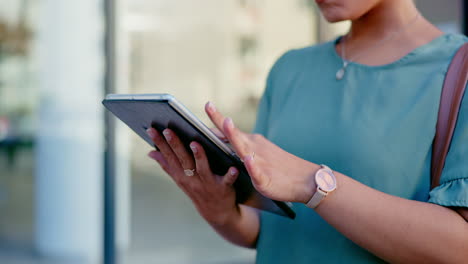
{"x":213,"y":195}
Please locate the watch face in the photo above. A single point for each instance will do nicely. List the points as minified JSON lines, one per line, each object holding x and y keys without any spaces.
{"x":325,"y":180}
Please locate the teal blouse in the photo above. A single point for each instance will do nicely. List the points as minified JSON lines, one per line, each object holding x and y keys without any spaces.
{"x":375,"y":125}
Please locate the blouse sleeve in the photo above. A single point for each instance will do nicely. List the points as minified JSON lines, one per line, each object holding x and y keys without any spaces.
{"x":453,"y":188}
{"x":261,"y":124}
{"x":265,"y":105}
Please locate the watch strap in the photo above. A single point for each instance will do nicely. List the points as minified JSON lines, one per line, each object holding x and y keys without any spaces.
{"x":316,"y":198}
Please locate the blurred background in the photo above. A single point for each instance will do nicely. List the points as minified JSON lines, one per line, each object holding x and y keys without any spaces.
{"x":70,"y":175}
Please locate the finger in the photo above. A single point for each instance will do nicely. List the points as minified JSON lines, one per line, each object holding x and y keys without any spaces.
{"x":219,"y":134}
{"x":201,"y":162}
{"x":216,"y":117}
{"x":185,"y":159}
{"x":231,"y":176}
{"x":157,"y":156}
{"x":165,"y":149}
{"x":237,"y":138}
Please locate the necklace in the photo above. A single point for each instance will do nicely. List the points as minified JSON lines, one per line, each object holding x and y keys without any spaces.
{"x":341,"y":72}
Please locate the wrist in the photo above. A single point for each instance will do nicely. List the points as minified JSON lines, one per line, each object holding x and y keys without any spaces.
{"x":309,"y":187}
{"x":227,"y":218}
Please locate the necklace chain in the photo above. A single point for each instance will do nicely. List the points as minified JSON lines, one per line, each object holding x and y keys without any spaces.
{"x":341,"y":72}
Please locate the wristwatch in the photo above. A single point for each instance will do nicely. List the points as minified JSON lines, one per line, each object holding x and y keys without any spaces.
{"x":326,"y":183}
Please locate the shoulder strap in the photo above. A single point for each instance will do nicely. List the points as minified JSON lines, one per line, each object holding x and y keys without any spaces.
{"x":450,"y":101}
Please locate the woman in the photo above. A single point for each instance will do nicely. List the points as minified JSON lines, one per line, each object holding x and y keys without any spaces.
{"x":365,"y":105}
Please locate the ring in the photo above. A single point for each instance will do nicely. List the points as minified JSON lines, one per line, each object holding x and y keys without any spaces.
{"x":189,"y":173}
{"x":253,"y":156}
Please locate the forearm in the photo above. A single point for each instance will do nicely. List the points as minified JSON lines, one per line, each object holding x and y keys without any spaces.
{"x":395,"y":229}
{"x":242,"y":229}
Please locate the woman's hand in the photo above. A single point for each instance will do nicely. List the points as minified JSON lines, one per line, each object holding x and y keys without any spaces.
{"x":275,"y":173}
{"x":213,"y":195}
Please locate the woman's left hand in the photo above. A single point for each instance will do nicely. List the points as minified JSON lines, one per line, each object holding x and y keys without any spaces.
{"x":275,"y":173}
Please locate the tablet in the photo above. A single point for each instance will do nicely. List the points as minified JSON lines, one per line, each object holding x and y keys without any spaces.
{"x":161,"y":111}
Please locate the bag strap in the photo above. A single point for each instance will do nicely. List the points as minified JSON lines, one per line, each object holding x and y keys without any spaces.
{"x":450,"y":101}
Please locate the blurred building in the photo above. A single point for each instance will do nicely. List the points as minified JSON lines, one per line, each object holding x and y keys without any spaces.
{"x":52,"y":141}
{"x":212,"y":50}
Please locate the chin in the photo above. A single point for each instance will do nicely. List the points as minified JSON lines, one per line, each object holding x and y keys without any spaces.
{"x":333,"y":17}
{"x":334,"y":14}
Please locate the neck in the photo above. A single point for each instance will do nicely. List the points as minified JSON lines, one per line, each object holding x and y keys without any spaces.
{"x":383,"y":19}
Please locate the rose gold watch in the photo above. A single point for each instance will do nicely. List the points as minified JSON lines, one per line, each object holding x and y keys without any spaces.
{"x":326,"y":183}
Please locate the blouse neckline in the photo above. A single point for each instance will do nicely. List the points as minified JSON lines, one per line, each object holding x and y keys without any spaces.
{"x":397,"y":62}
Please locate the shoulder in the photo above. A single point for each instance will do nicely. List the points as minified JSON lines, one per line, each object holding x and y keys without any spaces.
{"x":456,"y":39}
{"x":444,"y":47}
{"x":447,"y":42}
{"x":292,"y":61}
{"x":301,"y":55}
{"x":451,"y":43}
{"x":434,"y":57}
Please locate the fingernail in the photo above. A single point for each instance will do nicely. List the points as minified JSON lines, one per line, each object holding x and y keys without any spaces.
{"x":167,"y":135}
{"x":194,"y":148}
{"x":249,"y":158}
{"x":211,"y":106}
{"x":229,"y":122}
{"x":233,"y":171}
{"x":150,"y":132}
